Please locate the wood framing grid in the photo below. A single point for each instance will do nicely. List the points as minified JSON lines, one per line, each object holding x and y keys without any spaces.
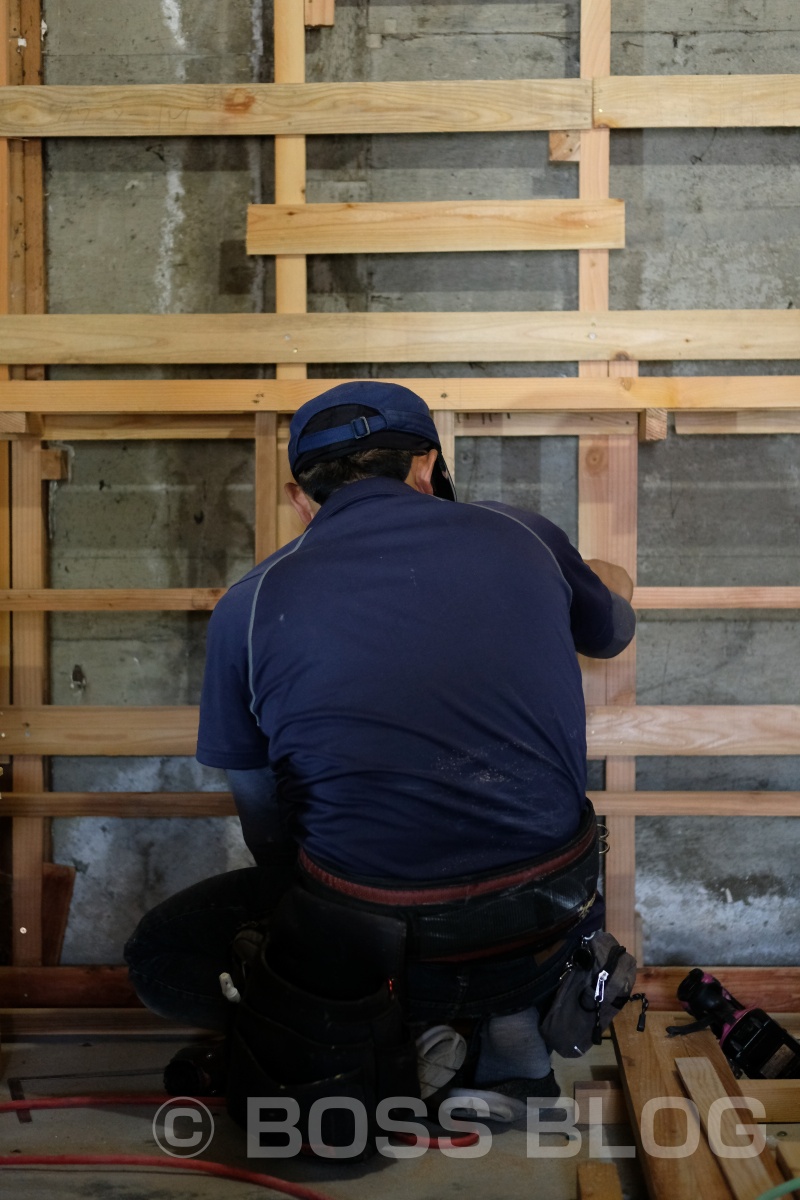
{"x":605,"y":407}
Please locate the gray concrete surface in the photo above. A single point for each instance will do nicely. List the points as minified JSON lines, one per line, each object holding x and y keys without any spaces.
{"x":713,"y":220}
{"x":510,"y":1168}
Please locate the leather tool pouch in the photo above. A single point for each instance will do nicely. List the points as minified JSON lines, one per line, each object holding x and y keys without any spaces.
{"x":320,"y":1021}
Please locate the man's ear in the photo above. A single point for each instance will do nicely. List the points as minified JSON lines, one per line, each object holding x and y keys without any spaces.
{"x":303,"y":505}
{"x":419,"y":477}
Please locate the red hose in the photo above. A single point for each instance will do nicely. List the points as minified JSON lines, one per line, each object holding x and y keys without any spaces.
{"x":150,"y":1160}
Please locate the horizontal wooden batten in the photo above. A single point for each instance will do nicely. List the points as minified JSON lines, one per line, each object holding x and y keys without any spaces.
{"x":181,"y":110}
{"x":109,"y":599}
{"x":770,"y":421}
{"x":84,"y":401}
{"x":694,"y":101}
{"x":401,"y":337}
{"x":27,"y":1023}
{"x":435,"y":226}
{"x":696,"y":804}
{"x":220,"y":804}
{"x":776,"y":989}
{"x":116,"y":804}
{"x":627,"y":731}
{"x":544,"y":424}
{"x":204,"y":599}
{"x":716,"y":597}
{"x":115,"y":427}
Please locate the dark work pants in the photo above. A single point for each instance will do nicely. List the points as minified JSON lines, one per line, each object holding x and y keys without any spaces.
{"x":179,"y":949}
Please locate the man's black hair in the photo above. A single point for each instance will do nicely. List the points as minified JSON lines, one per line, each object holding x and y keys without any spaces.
{"x":322,"y":479}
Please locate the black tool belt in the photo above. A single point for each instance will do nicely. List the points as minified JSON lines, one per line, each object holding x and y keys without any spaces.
{"x":530,"y":904}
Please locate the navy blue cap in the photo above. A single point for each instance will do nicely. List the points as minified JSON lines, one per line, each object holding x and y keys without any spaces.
{"x":363,"y":414}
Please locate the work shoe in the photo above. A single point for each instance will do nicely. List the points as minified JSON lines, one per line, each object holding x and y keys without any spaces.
{"x":507,"y":1099}
{"x":441,"y":1052}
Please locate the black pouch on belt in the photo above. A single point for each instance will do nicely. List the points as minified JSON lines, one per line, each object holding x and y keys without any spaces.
{"x":319,"y":1038}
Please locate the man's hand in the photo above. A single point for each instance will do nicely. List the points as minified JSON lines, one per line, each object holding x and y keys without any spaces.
{"x":614,"y":577}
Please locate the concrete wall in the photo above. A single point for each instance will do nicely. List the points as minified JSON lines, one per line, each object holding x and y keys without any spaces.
{"x":713,"y":220}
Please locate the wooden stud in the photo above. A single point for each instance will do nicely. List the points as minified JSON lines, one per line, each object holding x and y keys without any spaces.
{"x":58,"y":882}
{"x":445,"y":422}
{"x":266,"y":491}
{"x":544,"y":424}
{"x":775,"y":989}
{"x":109,"y":599}
{"x":23,"y":1024}
{"x":152,"y":805}
{"x":770,"y":421}
{"x":780,"y":1097}
{"x":137,"y":427}
{"x":435,"y":226}
{"x":789,"y":1159}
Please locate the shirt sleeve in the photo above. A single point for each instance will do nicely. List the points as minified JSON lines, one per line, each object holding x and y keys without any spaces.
{"x":602,"y":622}
{"x":229,"y":736}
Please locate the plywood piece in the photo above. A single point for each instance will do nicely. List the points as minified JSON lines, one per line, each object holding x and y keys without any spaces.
{"x":435,"y":226}
{"x":109,"y":599}
{"x":183,"y":110}
{"x":647,"y":1072}
{"x":319,"y":12}
{"x":695,"y":101}
{"x":195,"y":397}
{"x":653,"y":425}
{"x":696,"y":804}
{"x":598,"y":1181}
{"x":564,"y":145}
{"x":748,"y":1178}
{"x":151,"y":805}
{"x":716,"y":597}
{"x":770,"y":421}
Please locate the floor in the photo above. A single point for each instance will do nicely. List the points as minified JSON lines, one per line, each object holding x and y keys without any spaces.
{"x":74,"y":1066}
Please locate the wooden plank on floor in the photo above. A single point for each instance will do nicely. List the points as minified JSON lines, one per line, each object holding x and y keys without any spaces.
{"x":435,"y":226}
{"x":648,"y":1074}
{"x":748,"y":1178}
{"x":611,"y":730}
{"x":117,"y":804}
{"x":598,"y":1181}
{"x":109,"y":599}
{"x":288,"y":338}
{"x":780,"y":1098}
{"x":269,"y":109}
{"x":695,"y":101}
{"x":194,"y":398}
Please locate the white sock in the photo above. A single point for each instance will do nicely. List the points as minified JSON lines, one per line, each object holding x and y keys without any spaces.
{"x":512,"y":1048}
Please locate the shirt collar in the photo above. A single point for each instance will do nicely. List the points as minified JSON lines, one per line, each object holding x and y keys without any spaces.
{"x":361,"y":489}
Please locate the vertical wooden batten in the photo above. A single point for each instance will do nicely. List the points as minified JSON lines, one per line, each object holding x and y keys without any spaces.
{"x":24,"y":249}
{"x":607,"y":487}
{"x":276,"y":522}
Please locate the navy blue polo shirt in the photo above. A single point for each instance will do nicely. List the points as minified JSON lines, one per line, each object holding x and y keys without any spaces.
{"x":408,"y":669}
